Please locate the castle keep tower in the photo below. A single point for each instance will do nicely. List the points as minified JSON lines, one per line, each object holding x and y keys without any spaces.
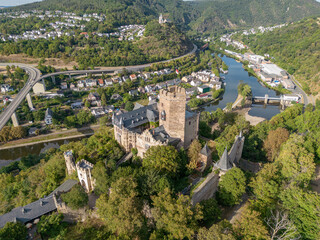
{"x":172,"y":110}
{"x":84,"y":169}
{"x":71,"y":167}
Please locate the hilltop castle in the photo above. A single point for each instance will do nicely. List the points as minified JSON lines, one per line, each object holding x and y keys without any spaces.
{"x":163,"y":19}
{"x":177,"y":126}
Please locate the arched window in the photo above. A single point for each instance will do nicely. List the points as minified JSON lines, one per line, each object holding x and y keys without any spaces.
{"x":163,"y":115}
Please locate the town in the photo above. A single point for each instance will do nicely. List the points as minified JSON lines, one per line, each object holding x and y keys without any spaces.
{"x":67,"y":24}
{"x":151,"y":120}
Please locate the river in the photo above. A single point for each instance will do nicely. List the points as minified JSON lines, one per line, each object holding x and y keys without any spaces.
{"x":37,"y":148}
{"x":235,"y":75}
{"x":232,"y":80}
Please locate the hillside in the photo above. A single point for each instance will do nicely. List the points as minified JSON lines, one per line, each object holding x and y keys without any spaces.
{"x":221,"y":15}
{"x":121,"y":12}
{"x":197,"y":16}
{"x":295,"y":48}
{"x":161,"y":42}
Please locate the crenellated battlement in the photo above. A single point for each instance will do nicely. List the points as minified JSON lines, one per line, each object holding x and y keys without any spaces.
{"x":173,"y":92}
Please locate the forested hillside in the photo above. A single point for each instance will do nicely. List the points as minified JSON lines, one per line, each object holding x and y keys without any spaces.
{"x":161,"y":42}
{"x":231,"y":14}
{"x":121,"y":12}
{"x":198,"y":16}
{"x":296,"y":48}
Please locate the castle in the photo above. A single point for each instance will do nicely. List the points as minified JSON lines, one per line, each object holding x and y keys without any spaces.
{"x":177,"y":126}
{"x":83,"y":168}
{"x":163,"y":19}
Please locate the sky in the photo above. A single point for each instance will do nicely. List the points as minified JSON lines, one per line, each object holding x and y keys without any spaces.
{"x":15,"y":2}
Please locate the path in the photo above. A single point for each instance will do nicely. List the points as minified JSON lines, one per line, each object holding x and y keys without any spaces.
{"x":232,"y":214}
{"x":17,"y":143}
{"x":315,"y":184}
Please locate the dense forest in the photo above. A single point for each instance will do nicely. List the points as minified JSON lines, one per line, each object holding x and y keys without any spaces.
{"x":219,"y":16}
{"x":296,"y":48}
{"x":161,"y":42}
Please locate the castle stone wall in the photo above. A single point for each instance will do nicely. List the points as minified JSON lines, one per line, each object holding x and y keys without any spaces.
{"x":192,"y":130}
{"x":206,"y":190}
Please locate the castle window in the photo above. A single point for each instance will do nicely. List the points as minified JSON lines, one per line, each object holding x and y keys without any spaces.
{"x":189,"y":122}
{"x":163,"y":115}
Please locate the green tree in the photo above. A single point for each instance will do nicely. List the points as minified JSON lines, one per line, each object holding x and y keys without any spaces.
{"x":221,"y":231}
{"x":250,"y":226}
{"x":99,"y":173}
{"x":162,"y":158}
{"x":177,"y":217}
{"x":231,"y":187}
{"x":13,"y":231}
{"x":122,"y":209}
{"x":297,"y":163}
{"x":267,"y":186}
{"x":84,"y":117}
{"x":303,"y":207}
{"x":51,"y":226}
{"x":129,"y":106}
{"x":211,"y":211}
{"x":76,"y":198}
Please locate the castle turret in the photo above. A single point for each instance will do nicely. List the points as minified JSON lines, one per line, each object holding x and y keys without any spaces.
{"x":71,"y":167}
{"x":84,"y":169}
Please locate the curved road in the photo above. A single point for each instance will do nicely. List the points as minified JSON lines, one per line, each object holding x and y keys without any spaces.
{"x":35,"y":76}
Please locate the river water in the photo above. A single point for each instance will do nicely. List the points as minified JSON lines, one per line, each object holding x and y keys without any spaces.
{"x":232,"y":80}
{"x":235,"y":75}
{"x":17,"y":153}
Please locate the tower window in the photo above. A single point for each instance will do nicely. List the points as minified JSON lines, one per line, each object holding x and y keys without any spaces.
{"x":163,"y":115}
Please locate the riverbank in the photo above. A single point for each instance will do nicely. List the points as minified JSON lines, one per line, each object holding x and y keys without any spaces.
{"x":249,"y":70}
{"x":69,"y":134}
{"x":252,"y":119}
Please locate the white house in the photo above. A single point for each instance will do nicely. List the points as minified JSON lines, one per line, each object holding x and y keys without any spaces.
{"x":64,"y":86}
{"x":108,"y":82}
{"x":6,"y":88}
{"x":48,"y":117}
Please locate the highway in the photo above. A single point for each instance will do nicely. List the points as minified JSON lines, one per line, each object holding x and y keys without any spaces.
{"x":35,"y":76}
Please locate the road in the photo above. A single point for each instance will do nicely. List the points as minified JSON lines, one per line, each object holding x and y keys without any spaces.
{"x":298,"y":90}
{"x":35,"y":76}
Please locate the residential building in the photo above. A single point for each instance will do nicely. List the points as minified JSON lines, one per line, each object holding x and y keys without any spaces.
{"x":133,"y":77}
{"x":6,"y":88}
{"x":196,"y":83}
{"x":77,"y":105}
{"x":108,"y":82}
{"x":116,"y":97}
{"x":101,"y":82}
{"x":204,"y":89}
{"x":48,"y":116}
{"x":91,"y":82}
{"x":134,"y":92}
{"x":64,"y":85}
